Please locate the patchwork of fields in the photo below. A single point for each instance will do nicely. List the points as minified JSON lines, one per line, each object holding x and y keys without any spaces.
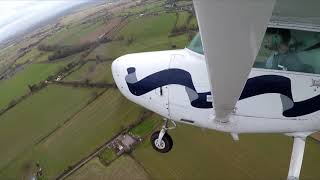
{"x":81,"y":132}
{"x":18,"y":84}
{"x":32,"y":120}
{"x":93,"y":72}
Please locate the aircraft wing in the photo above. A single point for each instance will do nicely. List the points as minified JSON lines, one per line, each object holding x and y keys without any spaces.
{"x":231,"y":32}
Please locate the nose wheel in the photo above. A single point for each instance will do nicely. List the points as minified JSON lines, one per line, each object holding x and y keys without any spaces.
{"x":161,"y":141}
{"x":162,"y":145}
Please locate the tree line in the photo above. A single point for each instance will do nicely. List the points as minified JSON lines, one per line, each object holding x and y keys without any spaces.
{"x":65,"y":51}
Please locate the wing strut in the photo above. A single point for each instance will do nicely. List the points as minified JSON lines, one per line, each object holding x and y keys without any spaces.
{"x":296,"y":158}
{"x":231,"y":32}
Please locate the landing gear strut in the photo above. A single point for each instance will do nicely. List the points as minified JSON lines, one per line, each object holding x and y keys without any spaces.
{"x":161,"y":141}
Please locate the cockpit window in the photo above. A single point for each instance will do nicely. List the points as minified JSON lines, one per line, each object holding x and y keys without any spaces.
{"x":290,"y":50}
{"x":196,"y":44}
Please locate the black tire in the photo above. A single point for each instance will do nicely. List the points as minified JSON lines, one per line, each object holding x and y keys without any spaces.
{"x":167,"y":140}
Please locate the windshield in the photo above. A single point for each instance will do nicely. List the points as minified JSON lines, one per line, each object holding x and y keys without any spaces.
{"x":196,"y":44}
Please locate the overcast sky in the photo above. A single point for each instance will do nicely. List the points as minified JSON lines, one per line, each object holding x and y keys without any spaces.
{"x":17,"y":15}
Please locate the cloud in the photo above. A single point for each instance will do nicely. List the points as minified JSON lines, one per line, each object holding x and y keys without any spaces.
{"x":18,"y":15}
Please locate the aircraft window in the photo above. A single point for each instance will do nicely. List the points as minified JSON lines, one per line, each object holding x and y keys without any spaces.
{"x":290,"y":50}
{"x":196,"y":44}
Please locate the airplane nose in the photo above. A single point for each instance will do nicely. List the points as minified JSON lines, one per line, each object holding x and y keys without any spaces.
{"x":115,"y":72}
{"x":130,"y":72}
{"x":118,"y":68}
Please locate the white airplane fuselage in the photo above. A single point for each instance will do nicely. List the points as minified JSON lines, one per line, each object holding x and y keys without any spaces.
{"x":175,"y":85}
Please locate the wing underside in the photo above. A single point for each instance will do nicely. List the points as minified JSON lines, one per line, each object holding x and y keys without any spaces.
{"x":231,"y":31}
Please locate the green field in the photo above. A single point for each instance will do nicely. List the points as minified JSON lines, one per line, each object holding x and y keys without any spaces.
{"x":152,"y":27}
{"x":81,"y":14}
{"x":29,"y":56}
{"x":34,"y":56}
{"x":149,"y":34}
{"x":193,"y":23}
{"x":206,"y":154}
{"x":26,"y":124}
{"x":81,"y":135}
{"x":145,"y":128}
{"x":182,"y":19}
{"x":72,"y":35}
{"x":94,"y":72}
{"x":107,"y":156}
{"x":147,"y":8}
{"x":123,"y":168}
{"x":17,"y":86}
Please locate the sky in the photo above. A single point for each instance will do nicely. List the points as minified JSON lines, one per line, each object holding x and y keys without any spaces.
{"x":18,"y":15}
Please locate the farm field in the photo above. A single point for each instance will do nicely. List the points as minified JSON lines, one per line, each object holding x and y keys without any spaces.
{"x":158,"y":29}
{"x":151,"y":26}
{"x":9,"y":56}
{"x":34,"y":56}
{"x":182,"y":19}
{"x":30,"y":121}
{"x":81,"y":14}
{"x":145,"y":128}
{"x":123,"y":168}
{"x":206,"y":154}
{"x":202,"y":154}
{"x":17,"y":86}
{"x":116,"y":49}
{"x":85,"y":129}
{"x":93,"y":72}
{"x":151,"y":7}
{"x":28,"y":56}
{"x":72,"y":35}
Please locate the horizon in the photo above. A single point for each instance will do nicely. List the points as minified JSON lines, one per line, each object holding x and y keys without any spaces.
{"x":19,"y":15}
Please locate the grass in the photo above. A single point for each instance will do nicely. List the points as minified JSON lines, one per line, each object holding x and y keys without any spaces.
{"x":9,"y":54}
{"x":94,"y":169}
{"x":149,"y":33}
{"x":146,"y":127}
{"x":18,"y":85}
{"x":206,"y":154}
{"x":193,"y":22}
{"x":149,"y":27}
{"x":118,"y":48}
{"x":108,"y":156}
{"x":29,"y":56}
{"x":93,"y":72}
{"x":145,"y":8}
{"x":22,"y":127}
{"x":182,"y":19}
{"x":81,"y":14}
{"x":80,"y":136}
{"x":33,"y":56}
{"x":43,"y":56}
{"x":123,"y":168}
{"x":72,"y":35}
